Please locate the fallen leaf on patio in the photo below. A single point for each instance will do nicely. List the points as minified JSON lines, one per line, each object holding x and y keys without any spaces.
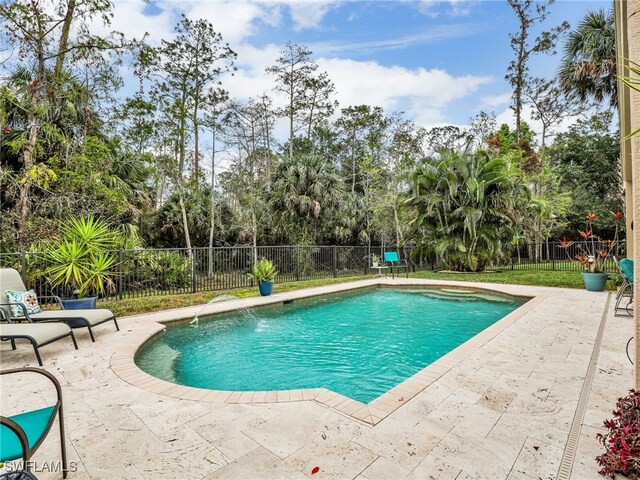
{"x":324,"y":436}
{"x":401,"y":399}
{"x":315,"y":470}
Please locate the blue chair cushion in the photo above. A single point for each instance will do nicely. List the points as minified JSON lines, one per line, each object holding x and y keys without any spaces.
{"x":34,"y":424}
{"x":390,"y":256}
{"x":626,"y":266}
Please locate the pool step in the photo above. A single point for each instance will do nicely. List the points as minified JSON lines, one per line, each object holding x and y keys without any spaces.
{"x":459,"y":295}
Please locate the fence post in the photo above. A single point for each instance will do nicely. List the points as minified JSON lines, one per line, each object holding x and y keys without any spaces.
{"x":193,"y":270}
{"x":298,"y":263}
{"x":335,"y":261}
{"x":121,"y":273}
{"x":23,"y":265}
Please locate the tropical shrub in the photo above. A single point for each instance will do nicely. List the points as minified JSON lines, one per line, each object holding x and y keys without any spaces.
{"x":622,"y":439}
{"x":263,"y":271}
{"x":307,"y":194}
{"x":155,"y":269}
{"x":466,"y":208}
{"x":80,"y":261}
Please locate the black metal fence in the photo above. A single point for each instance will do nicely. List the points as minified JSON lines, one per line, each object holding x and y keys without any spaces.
{"x":147,"y":272}
{"x":556,"y":256}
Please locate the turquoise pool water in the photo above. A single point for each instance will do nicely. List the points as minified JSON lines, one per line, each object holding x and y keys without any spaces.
{"x":358,"y":344}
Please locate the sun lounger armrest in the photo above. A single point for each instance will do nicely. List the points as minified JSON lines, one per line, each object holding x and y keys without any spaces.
{"x":55,"y":297}
{"x":39,"y":371}
{"x":24,"y":310}
{"x":17,"y":429}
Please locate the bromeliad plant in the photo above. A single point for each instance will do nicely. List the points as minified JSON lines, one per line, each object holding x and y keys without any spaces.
{"x":263,"y":271}
{"x":593,"y":252}
{"x":622,"y":439}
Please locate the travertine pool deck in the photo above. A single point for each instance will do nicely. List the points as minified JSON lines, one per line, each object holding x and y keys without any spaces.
{"x":499,"y":407}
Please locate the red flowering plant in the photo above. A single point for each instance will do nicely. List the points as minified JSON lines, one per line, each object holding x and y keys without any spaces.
{"x":593,"y":252}
{"x":622,"y":439}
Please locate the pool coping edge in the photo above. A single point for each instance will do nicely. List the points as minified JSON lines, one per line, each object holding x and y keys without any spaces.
{"x":123,"y":364}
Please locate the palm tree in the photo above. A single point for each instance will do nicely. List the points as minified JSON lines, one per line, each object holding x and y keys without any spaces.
{"x":307,"y":192}
{"x":588,"y":68}
{"x":466,"y":207}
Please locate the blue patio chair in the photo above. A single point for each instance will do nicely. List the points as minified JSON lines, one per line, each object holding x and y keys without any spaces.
{"x":23,"y":433}
{"x":395,"y":263}
{"x":625,"y":267}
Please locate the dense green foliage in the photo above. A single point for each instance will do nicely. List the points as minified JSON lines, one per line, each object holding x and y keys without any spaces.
{"x":467,"y":207}
{"x":586,"y":159}
{"x":72,"y":147}
{"x":588,"y":68}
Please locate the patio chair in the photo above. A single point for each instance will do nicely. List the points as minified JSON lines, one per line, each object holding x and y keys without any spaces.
{"x":10,"y":279}
{"x":395,"y":263}
{"x":39,"y":334}
{"x":625,"y":267}
{"x":23,"y":433}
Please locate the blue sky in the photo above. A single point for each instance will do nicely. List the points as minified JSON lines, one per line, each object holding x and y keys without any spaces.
{"x":439,"y":61}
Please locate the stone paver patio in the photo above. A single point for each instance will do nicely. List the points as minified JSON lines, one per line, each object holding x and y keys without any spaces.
{"x":503,"y":410}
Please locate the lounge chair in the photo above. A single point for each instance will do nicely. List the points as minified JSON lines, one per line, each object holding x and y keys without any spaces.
{"x":625,"y":267}
{"x":10,"y":280}
{"x":39,"y":334}
{"x":395,"y":263}
{"x":22,"y":434}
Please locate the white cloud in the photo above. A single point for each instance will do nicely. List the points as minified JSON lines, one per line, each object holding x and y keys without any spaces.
{"x":433,"y":34}
{"x":457,"y":8}
{"x":491,"y":101}
{"x":236,"y":20}
{"x":359,"y":82}
{"x":308,"y":14}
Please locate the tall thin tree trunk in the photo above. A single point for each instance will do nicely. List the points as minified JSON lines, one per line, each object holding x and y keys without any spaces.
{"x":291,"y":92}
{"x":254,"y":234}
{"x":64,"y":36}
{"x":181,"y":159}
{"x":185,"y":223}
{"x":213,"y":203}
{"x":196,"y":144}
{"x":27,"y":159}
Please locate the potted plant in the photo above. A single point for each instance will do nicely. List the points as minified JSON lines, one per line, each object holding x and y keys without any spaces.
{"x":375,"y":260}
{"x":81,"y":263}
{"x":621,"y":440}
{"x":593,"y":254}
{"x":263,"y":272}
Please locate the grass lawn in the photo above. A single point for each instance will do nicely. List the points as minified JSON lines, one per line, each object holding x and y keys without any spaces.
{"x":544,"y":278}
{"x":133,"y":306}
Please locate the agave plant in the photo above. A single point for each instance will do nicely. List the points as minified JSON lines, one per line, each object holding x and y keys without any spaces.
{"x":80,"y":260}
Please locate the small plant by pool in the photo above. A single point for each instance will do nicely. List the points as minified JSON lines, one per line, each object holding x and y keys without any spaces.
{"x":358,"y":344}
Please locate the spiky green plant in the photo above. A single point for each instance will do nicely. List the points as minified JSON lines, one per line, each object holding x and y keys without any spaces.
{"x":80,"y":261}
{"x":263,"y":271}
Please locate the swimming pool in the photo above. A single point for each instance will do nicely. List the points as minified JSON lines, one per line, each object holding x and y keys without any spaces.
{"x":359,"y":344}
